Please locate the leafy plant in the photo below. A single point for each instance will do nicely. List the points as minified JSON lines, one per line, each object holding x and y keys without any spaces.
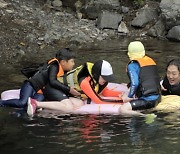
{"x":139,"y":2}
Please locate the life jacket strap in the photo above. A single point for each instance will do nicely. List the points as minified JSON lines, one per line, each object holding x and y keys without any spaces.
{"x":88,"y":101}
{"x":71,"y":80}
{"x":65,"y":79}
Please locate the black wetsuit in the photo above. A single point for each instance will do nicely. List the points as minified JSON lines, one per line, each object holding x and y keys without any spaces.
{"x":55,"y":90}
{"x":171,"y":89}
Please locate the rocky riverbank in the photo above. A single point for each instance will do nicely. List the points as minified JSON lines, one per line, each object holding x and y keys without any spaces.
{"x":40,"y":26}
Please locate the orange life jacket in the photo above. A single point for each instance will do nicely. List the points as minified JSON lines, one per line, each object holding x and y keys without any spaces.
{"x":145,"y":61}
{"x":60,"y":72}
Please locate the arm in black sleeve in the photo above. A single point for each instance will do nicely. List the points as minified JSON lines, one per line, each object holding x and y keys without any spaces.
{"x":53,"y":71}
{"x":166,"y":85}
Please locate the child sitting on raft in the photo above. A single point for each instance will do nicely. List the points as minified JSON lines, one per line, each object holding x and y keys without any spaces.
{"x":34,"y":86}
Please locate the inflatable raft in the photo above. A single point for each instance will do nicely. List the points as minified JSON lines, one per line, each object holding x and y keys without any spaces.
{"x":170,"y":102}
{"x":91,"y":108}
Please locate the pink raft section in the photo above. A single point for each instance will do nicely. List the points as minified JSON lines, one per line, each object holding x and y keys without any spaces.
{"x":92,"y":108}
{"x":103,"y":108}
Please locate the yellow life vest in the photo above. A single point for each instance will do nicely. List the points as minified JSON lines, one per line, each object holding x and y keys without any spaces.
{"x":71,"y":78}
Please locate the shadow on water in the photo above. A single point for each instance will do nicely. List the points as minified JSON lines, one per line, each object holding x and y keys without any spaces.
{"x":92,"y":133}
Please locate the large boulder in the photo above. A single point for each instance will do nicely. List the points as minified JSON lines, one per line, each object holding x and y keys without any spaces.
{"x":158,"y":30}
{"x":171,"y":12}
{"x":92,"y":8}
{"x":70,"y":4}
{"x":174,"y":33}
{"x":109,"y":20}
{"x":145,"y":15}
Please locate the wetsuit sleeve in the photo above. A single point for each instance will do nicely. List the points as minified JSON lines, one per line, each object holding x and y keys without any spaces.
{"x":53,"y":71}
{"x":89,"y":91}
{"x":110,"y":93}
{"x":133,"y":71}
{"x":166,"y":85}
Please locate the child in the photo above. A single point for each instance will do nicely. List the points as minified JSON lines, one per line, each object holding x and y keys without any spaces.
{"x":33,"y":87}
{"x":144,"y":92}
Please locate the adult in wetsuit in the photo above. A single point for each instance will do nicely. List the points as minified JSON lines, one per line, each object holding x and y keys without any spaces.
{"x":171,"y":82}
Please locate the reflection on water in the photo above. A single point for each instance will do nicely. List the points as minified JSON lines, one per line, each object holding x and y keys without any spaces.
{"x":89,"y":134}
{"x":92,"y":133}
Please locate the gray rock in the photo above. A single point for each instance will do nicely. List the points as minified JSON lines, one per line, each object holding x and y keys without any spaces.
{"x":171,"y":12}
{"x":57,"y":3}
{"x":145,"y":16}
{"x":123,"y":28}
{"x":69,"y":3}
{"x":158,"y":30}
{"x":3,"y":4}
{"x":92,"y":8}
{"x":109,"y":20}
{"x":125,"y":9}
{"x":174,"y":33}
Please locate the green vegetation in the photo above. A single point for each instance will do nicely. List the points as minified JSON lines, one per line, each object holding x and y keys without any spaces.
{"x":139,"y":2}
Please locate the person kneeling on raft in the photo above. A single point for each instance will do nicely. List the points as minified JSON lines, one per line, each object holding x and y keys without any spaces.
{"x":144,"y":92}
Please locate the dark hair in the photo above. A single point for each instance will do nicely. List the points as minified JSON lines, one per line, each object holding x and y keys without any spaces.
{"x":175,"y":62}
{"x":96,"y":69}
{"x":65,"y":54}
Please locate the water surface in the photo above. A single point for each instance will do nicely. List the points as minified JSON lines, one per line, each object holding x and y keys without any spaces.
{"x":106,"y":134}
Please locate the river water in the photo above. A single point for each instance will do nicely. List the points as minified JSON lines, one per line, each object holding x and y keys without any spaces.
{"x":106,"y":134}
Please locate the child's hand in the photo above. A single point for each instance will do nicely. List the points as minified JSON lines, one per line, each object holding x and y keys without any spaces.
{"x":74,"y":92}
{"x":126,"y":99}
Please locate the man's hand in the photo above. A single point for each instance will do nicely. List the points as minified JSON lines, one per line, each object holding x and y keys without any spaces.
{"x":162,"y":88}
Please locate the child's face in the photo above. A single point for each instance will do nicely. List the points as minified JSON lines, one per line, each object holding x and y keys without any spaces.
{"x":102,"y":81}
{"x":67,"y":65}
{"x":173,"y":75}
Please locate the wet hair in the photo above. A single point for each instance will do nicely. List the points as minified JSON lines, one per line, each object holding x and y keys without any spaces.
{"x":65,"y":54}
{"x":175,"y":62}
